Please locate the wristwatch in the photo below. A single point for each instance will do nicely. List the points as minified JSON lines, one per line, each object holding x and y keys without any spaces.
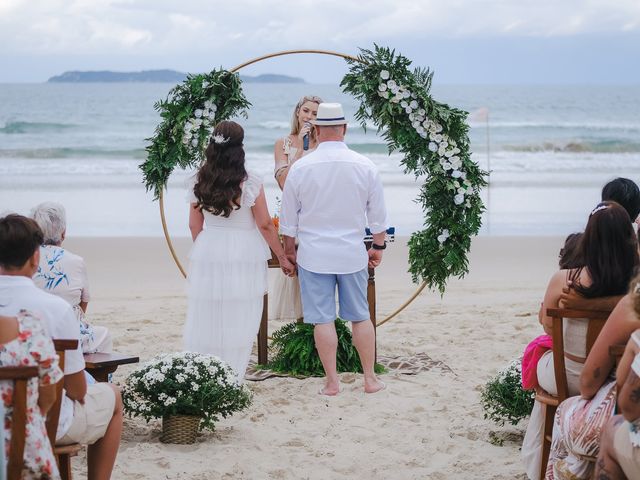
{"x":379,"y":247}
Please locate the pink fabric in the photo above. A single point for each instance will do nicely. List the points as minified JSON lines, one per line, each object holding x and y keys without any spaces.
{"x":530,"y":359}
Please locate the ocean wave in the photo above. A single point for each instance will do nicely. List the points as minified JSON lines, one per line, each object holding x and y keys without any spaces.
{"x":11,"y":128}
{"x":67,"y":152}
{"x":274,"y":125}
{"x":550,"y":124}
{"x":578,"y":146}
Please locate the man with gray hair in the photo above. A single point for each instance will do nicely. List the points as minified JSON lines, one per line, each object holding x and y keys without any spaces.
{"x":329,"y":198}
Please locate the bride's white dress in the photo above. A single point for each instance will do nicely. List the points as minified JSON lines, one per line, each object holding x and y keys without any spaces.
{"x":227,"y":279}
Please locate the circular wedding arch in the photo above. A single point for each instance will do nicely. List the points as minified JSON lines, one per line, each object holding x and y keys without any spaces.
{"x":167,"y":236}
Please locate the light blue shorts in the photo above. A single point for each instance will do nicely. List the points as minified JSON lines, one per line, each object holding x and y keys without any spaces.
{"x":318,"y":292}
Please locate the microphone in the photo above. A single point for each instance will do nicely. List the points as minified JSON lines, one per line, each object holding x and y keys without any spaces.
{"x":305,"y":139}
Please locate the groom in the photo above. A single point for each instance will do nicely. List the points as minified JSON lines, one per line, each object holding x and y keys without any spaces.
{"x":330,"y":196}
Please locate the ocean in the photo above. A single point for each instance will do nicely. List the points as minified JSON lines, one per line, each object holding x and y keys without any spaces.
{"x":549,"y":148}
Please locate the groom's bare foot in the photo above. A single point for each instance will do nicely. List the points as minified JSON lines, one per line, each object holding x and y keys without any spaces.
{"x":374,"y":386}
{"x":330,"y":390}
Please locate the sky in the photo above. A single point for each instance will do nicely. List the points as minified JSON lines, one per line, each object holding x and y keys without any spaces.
{"x":464,"y":41}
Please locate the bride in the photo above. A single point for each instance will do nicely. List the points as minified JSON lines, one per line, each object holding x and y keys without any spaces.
{"x":232,"y":232}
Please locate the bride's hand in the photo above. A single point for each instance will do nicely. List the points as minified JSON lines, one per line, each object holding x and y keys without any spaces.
{"x":288,"y":268}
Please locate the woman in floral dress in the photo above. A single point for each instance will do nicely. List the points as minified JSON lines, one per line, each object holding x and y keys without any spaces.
{"x":23,"y":342}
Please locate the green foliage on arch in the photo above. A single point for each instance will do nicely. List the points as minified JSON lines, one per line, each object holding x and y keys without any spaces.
{"x":433,"y":139}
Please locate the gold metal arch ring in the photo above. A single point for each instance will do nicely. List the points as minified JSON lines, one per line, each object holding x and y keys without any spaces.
{"x":235,"y":69}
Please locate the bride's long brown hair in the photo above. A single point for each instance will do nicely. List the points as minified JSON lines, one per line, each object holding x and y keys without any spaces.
{"x":218,"y":182}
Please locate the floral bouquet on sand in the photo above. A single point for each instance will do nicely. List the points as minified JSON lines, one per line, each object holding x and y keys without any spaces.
{"x":185,"y":383}
{"x":503,"y":398}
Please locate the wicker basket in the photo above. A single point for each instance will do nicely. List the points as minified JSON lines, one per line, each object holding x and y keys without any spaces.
{"x":181,"y":429}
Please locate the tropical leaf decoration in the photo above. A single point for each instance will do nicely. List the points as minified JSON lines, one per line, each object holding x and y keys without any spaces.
{"x":293,"y":351}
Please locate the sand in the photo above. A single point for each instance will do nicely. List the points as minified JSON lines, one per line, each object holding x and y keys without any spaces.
{"x":428,"y":425}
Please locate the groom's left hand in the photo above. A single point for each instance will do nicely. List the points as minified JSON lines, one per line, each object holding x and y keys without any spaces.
{"x":375,"y":257}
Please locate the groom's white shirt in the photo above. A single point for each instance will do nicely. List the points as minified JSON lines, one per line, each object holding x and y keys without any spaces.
{"x":329,"y":197}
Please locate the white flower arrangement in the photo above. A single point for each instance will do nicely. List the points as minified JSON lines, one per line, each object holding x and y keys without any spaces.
{"x":184,"y":383}
{"x":200,"y":126}
{"x":430,"y":131}
{"x":433,"y":139}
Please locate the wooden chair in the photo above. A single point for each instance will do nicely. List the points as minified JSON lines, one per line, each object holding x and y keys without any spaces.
{"x":596,"y":320}
{"x":63,"y":453}
{"x":20,"y":376}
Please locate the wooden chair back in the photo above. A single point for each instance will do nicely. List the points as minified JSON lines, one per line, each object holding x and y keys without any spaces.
{"x":20,"y":377}
{"x":596,"y":320}
{"x":54,"y":413}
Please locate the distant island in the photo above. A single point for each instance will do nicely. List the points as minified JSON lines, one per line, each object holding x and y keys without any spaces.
{"x":156,"y":76}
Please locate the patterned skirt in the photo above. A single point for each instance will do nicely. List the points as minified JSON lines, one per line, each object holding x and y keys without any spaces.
{"x":576,"y":434}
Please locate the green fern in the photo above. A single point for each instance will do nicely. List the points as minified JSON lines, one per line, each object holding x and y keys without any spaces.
{"x":293,"y":351}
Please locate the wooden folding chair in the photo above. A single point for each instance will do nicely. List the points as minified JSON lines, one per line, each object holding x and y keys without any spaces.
{"x":20,"y":377}
{"x":596,"y":320}
{"x":63,"y":453}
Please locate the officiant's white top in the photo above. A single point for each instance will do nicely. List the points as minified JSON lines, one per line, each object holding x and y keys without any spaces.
{"x":330,"y":196}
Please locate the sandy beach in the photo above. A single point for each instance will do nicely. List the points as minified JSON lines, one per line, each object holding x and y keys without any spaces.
{"x":428,"y":425}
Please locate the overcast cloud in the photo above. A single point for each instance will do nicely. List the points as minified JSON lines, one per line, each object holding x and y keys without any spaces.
{"x":45,"y":37}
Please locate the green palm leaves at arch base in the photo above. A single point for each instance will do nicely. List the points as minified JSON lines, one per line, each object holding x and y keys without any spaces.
{"x":432,"y":137}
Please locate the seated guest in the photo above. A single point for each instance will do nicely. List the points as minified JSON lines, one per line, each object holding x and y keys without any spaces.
{"x":89,"y":415}
{"x":580,"y":420}
{"x":23,"y":343}
{"x":609,"y":249}
{"x":64,"y":274}
{"x":569,"y":256}
{"x":619,"y":456}
{"x":626,"y":193}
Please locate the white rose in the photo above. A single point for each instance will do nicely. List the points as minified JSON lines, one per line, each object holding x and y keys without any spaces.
{"x":447,"y":166}
{"x":382,"y":87}
{"x":194,"y":142}
{"x":198,"y":113}
{"x":408,"y":109}
{"x":384,"y":74}
{"x":384,"y":94}
{"x":433,"y":146}
{"x":438,"y":128}
{"x":404,"y":104}
{"x":441,"y":239}
{"x":456,"y":174}
{"x":214,"y":108}
{"x":458,"y":199}
{"x":391,"y":84}
{"x":413,"y":104}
